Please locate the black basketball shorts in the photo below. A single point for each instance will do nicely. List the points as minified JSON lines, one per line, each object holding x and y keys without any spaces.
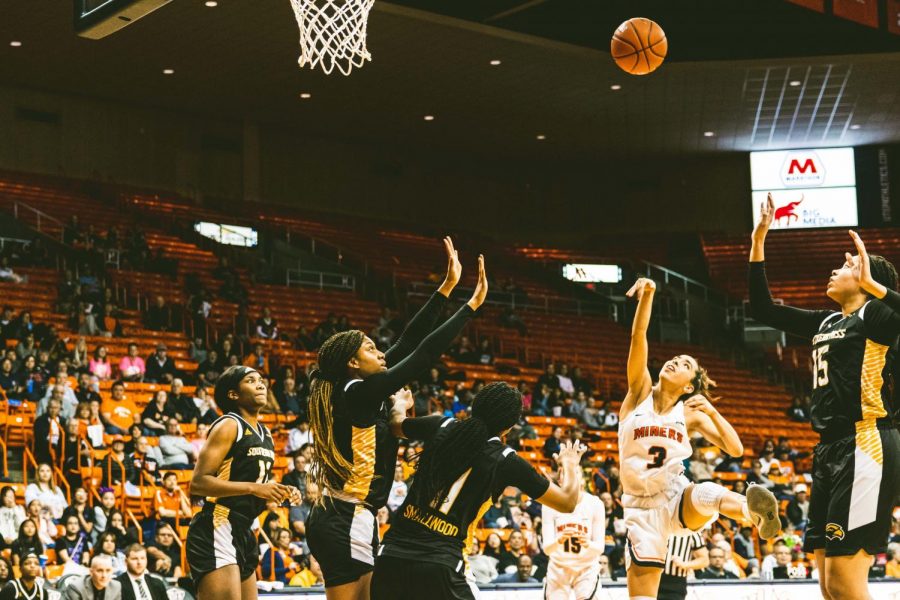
{"x":218,"y":539}
{"x":401,"y":579}
{"x":856,"y":483}
{"x":343,"y":537}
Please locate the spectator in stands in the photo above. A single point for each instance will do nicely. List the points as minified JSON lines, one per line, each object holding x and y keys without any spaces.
{"x":182,"y":404}
{"x":493,"y":547}
{"x":565,"y":381}
{"x":258,"y":359}
{"x":702,"y":465}
{"x":517,"y":549}
{"x":106,"y":546}
{"x":170,"y":503}
{"x":591,"y":416}
{"x":103,"y":509}
{"x":290,"y":398}
{"x":137,"y":583}
{"x":49,"y":429}
{"x":610,"y":416}
{"x":164,"y":553}
{"x":227,"y":349}
{"x":767,"y":454}
{"x":88,"y":388}
{"x":125,"y":536}
{"x":99,"y":365}
{"x":521,"y":574}
{"x":98,"y":585}
{"x":199,"y":437}
{"x":310,"y":575}
{"x":177,"y":451}
{"x":464,"y":351}
{"x":797,"y":412}
{"x":498,"y":516}
{"x":207,"y":407}
{"x":209,"y":370}
{"x":117,"y":412}
{"x":159,"y":315}
{"x":156,"y":413}
{"x":40,"y":515}
{"x":23,"y":378}
{"x":132,"y":367}
{"x":549,"y":378}
{"x":485,"y":352}
{"x":11,"y":516}
{"x":160,"y":366}
{"x":305,"y":342}
{"x":7,"y":325}
{"x":198,"y":350}
{"x":27,"y":542}
{"x":267,"y":325}
{"x":46,"y":490}
{"x":757,"y":476}
{"x":26,"y":346}
{"x":81,"y":511}
{"x":144,"y":467}
{"x":716,"y":568}
{"x":398,"y":490}
{"x":79,"y":357}
{"x":744,"y":546}
{"x":797,"y":510}
{"x":9,"y":382}
{"x":483,"y":568}
{"x":74,"y":545}
{"x":115,"y":469}
{"x":109,"y":319}
{"x":299,"y":437}
{"x":578,"y":405}
{"x":892,"y":567}
{"x":283,"y":560}
{"x":552,"y":443}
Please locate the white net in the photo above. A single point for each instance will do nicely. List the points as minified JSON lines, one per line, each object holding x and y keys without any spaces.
{"x":333,"y":33}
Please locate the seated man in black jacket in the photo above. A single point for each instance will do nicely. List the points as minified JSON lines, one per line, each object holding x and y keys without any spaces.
{"x":716,"y":568}
{"x":137,"y":582}
{"x":49,"y":431}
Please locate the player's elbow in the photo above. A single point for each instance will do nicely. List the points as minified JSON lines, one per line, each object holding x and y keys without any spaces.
{"x":735,"y":450}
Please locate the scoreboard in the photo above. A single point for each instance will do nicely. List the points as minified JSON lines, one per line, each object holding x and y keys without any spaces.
{"x":97,"y":19}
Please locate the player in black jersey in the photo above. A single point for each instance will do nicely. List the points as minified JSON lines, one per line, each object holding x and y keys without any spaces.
{"x":233,"y":474}
{"x":856,"y":465}
{"x":355,"y":451}
{"x":463,"y":470}
{"x":29,"y":586}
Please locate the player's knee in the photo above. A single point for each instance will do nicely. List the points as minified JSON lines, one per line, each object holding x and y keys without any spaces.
{"x":706,"y":497}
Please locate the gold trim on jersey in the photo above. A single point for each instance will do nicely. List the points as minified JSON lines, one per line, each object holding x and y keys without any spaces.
{"x":470,"y":534}
{"x":220,"y":515}
{"x":362,"y":442}
{"x":871,"y":381}
{"x":224,"y":474}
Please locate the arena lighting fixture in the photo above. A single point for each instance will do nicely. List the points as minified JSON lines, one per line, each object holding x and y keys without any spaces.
{"x":709,"y":133}
{"x":211,"y":3}
{"x":305,"y":96}
{"x":495,"y":62}
{"x":429,"y":117}
{"x":541,"y":136}
{"x":794,"y":83}
{"x":168,"y":71}
{"x":855,"y":127}
{"x":15,"y":44}
{"x":615,"y":87}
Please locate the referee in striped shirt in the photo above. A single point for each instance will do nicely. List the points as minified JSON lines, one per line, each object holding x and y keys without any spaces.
{"x":686,"y":553}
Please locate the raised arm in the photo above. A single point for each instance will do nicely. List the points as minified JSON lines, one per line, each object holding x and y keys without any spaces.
{"x":702,"y":416}
{"x":639,"y":381}
{"x":424,"y":321}
{"x":381,"y":385}
{"x":797,"y":321}
{"x":888,"y":325}
{"x":564,"y":497}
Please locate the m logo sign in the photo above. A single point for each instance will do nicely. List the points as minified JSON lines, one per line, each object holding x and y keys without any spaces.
{"x":802,"y":169}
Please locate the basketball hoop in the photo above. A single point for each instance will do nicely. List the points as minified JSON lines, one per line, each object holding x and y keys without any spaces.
{"x":333,"y":33}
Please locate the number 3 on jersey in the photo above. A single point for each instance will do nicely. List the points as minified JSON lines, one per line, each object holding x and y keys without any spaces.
{"x":659,"y":457}
{"x":820,"y":367}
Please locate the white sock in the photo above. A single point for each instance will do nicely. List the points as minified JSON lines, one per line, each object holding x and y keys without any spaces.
{"x":643,"y":597}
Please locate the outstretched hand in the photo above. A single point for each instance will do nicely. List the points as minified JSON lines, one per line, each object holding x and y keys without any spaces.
{"x":481,"y":288}
{"x":454,"y":268}
{"x":766,"y":216}
{"x":640,"y":286}
{"x":570,"y":453}
{"x":866,"y":281}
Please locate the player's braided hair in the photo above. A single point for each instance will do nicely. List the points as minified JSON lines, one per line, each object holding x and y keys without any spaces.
{"x":883,"y":271}
{"x":703,"y":385}
{"x":330,"y":469}
{"x":496,"y":407}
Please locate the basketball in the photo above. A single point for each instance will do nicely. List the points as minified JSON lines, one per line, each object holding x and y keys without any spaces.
{"x":639,"y":46}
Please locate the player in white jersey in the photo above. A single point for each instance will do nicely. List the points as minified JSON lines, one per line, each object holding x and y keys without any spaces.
{"x":574,"y":542}
{"x":655,"y":423}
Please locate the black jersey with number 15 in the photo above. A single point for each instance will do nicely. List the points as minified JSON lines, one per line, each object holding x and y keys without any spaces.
{"x":249,"y":459}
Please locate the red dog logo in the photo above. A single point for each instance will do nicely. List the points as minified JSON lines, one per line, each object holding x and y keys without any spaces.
{"x":787,"y":211}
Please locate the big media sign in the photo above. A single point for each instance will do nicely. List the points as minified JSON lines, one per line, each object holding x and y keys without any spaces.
{"x":811,"y":188}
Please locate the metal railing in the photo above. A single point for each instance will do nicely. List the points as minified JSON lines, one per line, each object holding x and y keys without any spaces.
{"x":320,"y":279}
{"x":39,"y":215}
{"x":685,"y":284}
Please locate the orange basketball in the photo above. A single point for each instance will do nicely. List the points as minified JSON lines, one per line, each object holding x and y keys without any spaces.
{"x":639,"y":46}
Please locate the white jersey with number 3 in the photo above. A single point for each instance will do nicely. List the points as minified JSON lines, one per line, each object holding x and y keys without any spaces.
{"x":652,"y":448}
{"x":587,"y":522}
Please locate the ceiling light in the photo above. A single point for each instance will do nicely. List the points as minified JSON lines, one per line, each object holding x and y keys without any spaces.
{"x":855,"y":127}
{"x":709,"y":133}
{"x":541,"y":136}
{"x":305,"y":95}
{"x":794,"y":83}
{"x":211,"y":3}
{"x":615,"y":87}
{"x":168,"y":71}
{"x":15,"y":43}
{"x":429,"y":117}
{"x":496,"y":62}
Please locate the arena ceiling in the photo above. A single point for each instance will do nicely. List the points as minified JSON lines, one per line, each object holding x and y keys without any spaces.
{"x":797,"y":79}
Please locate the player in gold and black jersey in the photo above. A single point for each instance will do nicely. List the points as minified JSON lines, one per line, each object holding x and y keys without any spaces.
{"x":350,"y":395}
{"x":463,"y":470}
{"x":233,"y":473}
{"x":856,"y":466}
